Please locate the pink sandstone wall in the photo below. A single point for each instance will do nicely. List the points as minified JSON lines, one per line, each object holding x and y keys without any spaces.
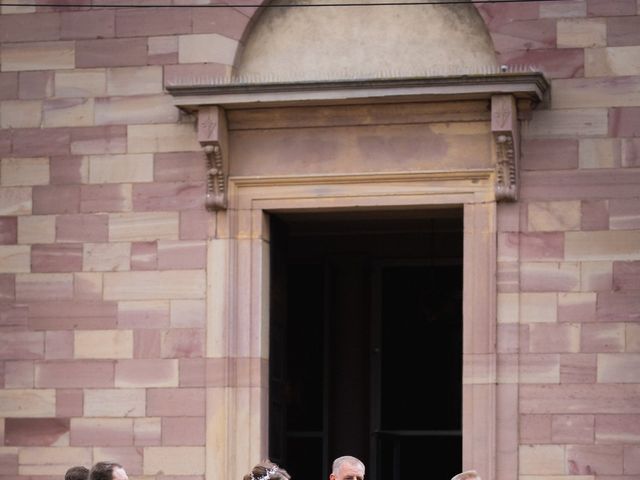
{"x":103,"y":253}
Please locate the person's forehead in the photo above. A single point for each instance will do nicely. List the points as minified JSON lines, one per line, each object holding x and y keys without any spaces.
{"x":350,"y":470}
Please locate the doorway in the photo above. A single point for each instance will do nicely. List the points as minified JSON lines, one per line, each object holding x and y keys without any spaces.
{"x":366,"y":316}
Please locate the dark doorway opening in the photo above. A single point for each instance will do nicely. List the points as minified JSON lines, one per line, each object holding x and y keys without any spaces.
{"x":366,"y":342}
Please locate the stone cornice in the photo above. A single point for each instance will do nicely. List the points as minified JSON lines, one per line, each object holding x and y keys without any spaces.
{"x":193,"y":94}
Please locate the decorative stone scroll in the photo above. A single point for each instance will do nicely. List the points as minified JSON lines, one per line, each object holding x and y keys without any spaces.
{"x":212,"y":135}
{"x":504,"y":127}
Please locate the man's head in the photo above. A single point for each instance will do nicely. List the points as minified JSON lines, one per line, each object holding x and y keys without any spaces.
{"x":467,"y":475}
{"x":108,"y":471}
{"x":347,"y":468}
{"x":77,"y":473}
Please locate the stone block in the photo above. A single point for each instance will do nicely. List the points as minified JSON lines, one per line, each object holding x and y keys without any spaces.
{"x":59,"y":345}
{"x":144,"y":23}
{"x":624,"y":214}
{"x":595,"y":276}
{"x":175,"y":74}
{"x":174,"y":460}
{"x":619,"y":368}
{"x":573,"y":429}
{"x":196,"y":224}
{"x":75,"y":374}
{"x":81,"y":228}
{"x":147,"y":431}
{"x":542,"y":246}
{"x":19,"y":374}
{"x":68,"y":112}
{"x":207,"y":48}
{"x":189,"y":314}
{"x":554,"y":63}
{"x":103,"y":344}
{"x":192,"y":372}
{"x":538,"y":368}
{"x":109,"y":432}
{"x":176,"y":402}
{"x":630,"y":152}
{"x":36,"y":27}
{"x":105,"y":198}
{"x":612,"y":61}
{"x":567,"y":8}
{"x":81,"y":83}
{"x":617,"y":429}
{"x":106,"y":257}
{"x":586,"y":122}
{"x":626,"y":276}
{"x":599,"y":153}
{"x":550,"y":276}
{"x":632,"y":459}
{"x":62,"y":257}
{"x":603,"y":337}
{"x":8,"y":455}
{"x":578,"y":368}
{"x":72,"y":315}
{"x":525,"y":35}
{"x":168,"y":196}
{"x":111,"y":52}
{"x":8,"y":230}
{"x":624,"y":122}
{"x":541,"y":459}
{"x":68,"y":169}
{"x":553,"y":216}
{"x":228,"y":22}
{"x":15,"y":201}
{"x":535,"y":429}
{"x":38,"y":56}
{"x":99,"y":140}
{"x":163,"y":50}
{"x":56,"y":199}
{"x":134,"y":81}
{"x":51,"y":460}
{"x":554,"y":338}
{"x":8,"y":85}
{"x":35,"y":85}
{"x":180,"y":255}
{"x":87,"y":286}
{"x":582,"y":33}
{"x":44,"y":286}
{"x":30,"y":142}
{"x":88,"y":24}
{"x":603,"y":245}
{"x":162,"y":138}
{"x":139,"y":109}
{"x":594,"y":215}
{"x":538,"y":307}
{"x":136,"y":227}
{"x":144,"y":256}
{"x":143,"y":314}
{"x":68,"y":402}
{"x":622,"y":31}
{"x":147,"y":343}
{"x":594,"y":459}
{"x":15,"y":258}
{"x":183,"y":431}
{"x":183,"y":343}
{"x":164,"y":285}
{"x":604,"y":8}
{"x":618,"y":307}
{"x":577,"y":307}
{"x":115,"y":402}
{"x":120,"y":168}
{"x":20,"y":113}
{"x":22,"y":345}
{"x":27,"y":403}
{"x":180,"y":167}
{"x":595,"y":92}
{"x":146,"y":373}
{"x":632,"y":335}
{"x":587,"y":399}
{"x":7,"y":290}
{"x":35,"y":432}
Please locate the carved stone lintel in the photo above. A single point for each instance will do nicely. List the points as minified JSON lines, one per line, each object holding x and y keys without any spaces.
{"x":504,"y":127}
{"x":212,"y":135}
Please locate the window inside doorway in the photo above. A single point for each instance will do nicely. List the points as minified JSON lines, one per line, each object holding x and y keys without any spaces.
{"x":366,"y":316}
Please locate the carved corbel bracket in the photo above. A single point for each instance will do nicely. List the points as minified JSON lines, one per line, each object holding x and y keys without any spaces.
{"x":212,"y":135}
{"x":504,"y":128}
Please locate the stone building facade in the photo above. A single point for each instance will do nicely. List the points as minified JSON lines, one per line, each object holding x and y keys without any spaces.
{"x":135,"y":320}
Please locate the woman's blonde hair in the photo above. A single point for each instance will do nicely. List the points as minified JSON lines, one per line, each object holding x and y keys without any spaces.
{"x":267,"y":470}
